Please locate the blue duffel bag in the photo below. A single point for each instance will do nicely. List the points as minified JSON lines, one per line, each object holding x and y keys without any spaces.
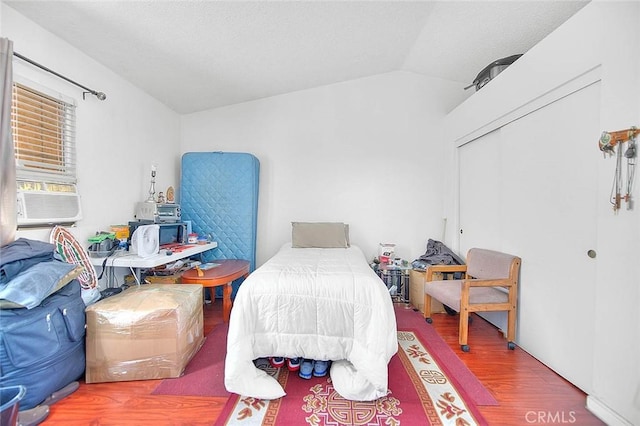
{"x":43,"y":348}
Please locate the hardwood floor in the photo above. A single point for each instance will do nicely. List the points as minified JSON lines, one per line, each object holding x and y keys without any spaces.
{"x":527,"y":391}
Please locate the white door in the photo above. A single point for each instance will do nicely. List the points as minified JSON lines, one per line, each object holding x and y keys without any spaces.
{"x":480,"y":223}
{"x":543,"y":167}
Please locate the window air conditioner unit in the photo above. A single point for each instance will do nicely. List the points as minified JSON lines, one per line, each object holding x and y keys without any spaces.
{"x":47,"y":203}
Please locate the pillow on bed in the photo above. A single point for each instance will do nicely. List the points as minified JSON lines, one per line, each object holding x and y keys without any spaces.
{"x":320,"y":235}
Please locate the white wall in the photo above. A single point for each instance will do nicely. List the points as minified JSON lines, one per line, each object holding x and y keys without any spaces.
{"x":117,"y":139}
{"x":617,"y":334}
{"x":366,"y":152}
{"x":605,"y":34}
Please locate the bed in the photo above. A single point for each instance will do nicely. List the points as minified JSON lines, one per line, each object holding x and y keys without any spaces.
{"x":314,"y":302}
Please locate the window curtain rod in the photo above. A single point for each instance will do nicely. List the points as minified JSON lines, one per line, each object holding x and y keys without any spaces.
{"x":98,"y":95}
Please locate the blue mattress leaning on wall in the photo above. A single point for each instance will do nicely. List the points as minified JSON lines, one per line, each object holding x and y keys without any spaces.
{"x":219,"y":195}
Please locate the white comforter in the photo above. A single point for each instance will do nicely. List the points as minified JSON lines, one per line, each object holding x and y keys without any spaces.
{"x":324,"y":304}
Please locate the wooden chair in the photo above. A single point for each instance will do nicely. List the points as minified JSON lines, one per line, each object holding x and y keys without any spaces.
{"x":490,"y":283}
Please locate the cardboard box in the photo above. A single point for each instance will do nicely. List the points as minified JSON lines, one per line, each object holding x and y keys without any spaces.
{"x":416,"y":291}
{"x":165,"y":279}
{"x":146,"y":332}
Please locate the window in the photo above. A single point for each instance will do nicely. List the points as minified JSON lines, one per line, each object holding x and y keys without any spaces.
{"x":43,"y":129}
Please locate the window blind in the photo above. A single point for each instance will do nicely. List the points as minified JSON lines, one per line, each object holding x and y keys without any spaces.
{"x":43,"y":135}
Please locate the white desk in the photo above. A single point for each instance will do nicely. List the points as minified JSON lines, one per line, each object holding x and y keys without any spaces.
{"x":126,"y":259}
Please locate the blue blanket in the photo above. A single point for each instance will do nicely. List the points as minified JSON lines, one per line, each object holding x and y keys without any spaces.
{"x":32,"y":286}
{"x":20,"y":255}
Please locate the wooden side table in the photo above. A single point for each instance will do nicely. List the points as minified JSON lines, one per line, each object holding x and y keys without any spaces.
{"x":224,"y":274}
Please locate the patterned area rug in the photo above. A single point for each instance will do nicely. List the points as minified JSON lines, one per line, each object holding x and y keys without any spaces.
{"x":420,"y":393}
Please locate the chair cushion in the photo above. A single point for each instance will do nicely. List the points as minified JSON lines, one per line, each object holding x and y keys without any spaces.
{"x":488,"y":264}
{"x":448,"y":292}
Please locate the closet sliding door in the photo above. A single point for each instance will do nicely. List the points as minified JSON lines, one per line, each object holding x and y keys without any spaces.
{"x":480,"y":192}
{"x":529,"y":188}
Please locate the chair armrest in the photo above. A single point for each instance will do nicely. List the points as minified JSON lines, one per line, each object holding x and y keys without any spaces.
{"x":443,"y":268}
{"x":504,"y":282}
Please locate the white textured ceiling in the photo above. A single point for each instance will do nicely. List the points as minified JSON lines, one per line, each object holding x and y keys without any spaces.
{"x":196,"y":55}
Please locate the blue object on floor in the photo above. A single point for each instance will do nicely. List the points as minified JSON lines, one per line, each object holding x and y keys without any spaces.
{"x":320,"y":368}
{"x":306,"y":369}
{"x":44,"y":348}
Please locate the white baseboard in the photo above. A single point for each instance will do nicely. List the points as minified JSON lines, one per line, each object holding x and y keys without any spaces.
{"x":604,"y":413}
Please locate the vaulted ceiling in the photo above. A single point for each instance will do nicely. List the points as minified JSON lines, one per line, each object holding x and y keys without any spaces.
{"x":196,"y":55}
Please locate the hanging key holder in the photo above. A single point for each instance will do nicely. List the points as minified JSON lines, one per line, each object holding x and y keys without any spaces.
{"x":607,"y":144}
